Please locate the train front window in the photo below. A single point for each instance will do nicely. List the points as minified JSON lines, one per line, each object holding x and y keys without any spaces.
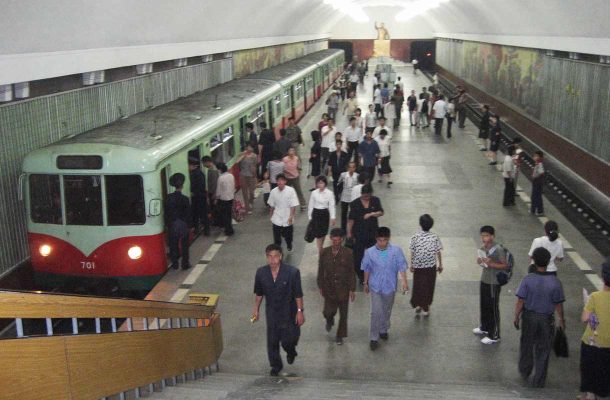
{"x":83,"y":196}
{"x":125,"y":200}
{"x":45,"y":199}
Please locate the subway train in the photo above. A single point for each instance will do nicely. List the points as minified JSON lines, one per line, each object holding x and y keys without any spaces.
{"x":94,"y":202}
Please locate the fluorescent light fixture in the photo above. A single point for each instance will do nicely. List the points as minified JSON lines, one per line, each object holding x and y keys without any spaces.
{"x":418,"y":7}
{"x":350,"y":8}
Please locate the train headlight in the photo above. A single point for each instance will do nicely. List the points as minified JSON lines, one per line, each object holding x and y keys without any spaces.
{"x":134,"y":252}
{"x":44,"y":250}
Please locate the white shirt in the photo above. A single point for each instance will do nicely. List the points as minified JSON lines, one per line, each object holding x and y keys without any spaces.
{"x":354,"y":78}
{"x":353,"y":134}
{"x":225,"y":187}
{"x":389,"y":111}
{"x":357,"y":191}
{"x":333,"y":146}
{"x":414,"y":62}
{"x":348,"y":183}
{"x":328,"y":138}
{"x":420,"y":104}
{"x":384,"y":146}
{"x":508,"y":167}
{"x":377,"y":96}
{"x":370,"y":120}
{"x":282,"y":201}
{"x":555,"y":248}
{"x":379,"y":128}
{"x":322,"y":201}
{"x":375,"y":80}
{"x":440,"y":109}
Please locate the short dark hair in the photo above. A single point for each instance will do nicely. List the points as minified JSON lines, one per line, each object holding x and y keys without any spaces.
{"x":273,"y":247}
{"x":488,"y":229}
{"x":290,"y":118}
{"x":222,"y":167}
{"x":337,"y":232}
{"x":321,"y":178}
{"x":486,"y":107}
{"x":552,"y":230}
{"x":426,"y":222}
{"x":382,"y":118}
{"x":539,"y":153}
{"x":367,"y":189}
{"x":383,"y":232}
{"x":282,"y":132}
{"x":541,"y":257}
{"x":510,"y":150}
{"x":249,"y":125}
{"x":281,"y":176}
{"x":352,"y":119}
{"x":206,"y":159}
{"x":263,"y":124}
{"x":177,"y":180}
{"x":606,"y":272}
{"x":383,"y":132}
{"x":338,"y":141}
{"x":276,"y":155}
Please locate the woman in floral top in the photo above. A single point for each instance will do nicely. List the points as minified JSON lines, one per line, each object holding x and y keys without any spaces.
{"x":425,"y":262}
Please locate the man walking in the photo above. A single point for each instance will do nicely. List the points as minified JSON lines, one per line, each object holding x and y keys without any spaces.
{"x":294,"y":133}
{"x":353,"y":135}
{"x":280,"y":284}
{"x":283,"y":203}
{"x":381,"y":264}
{"x":369,"y":154}
{"x":492,"y":259}
{"x":225,"y":194}
{"x":439,"y":110}
{"x":199,"y":197}
{"x":177,"y":220}
{"x":336,"y":282}
{"x":540,"y":295}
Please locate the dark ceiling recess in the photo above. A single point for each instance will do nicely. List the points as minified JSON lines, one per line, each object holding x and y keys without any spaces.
{"x":424,"y":51}
{"x":348,"y":47}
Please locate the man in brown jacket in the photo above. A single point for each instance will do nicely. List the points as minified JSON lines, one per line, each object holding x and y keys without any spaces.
{"x":337,"y":282}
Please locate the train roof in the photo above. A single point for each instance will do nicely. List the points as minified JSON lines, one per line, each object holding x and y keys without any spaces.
{"x":289,"y":71}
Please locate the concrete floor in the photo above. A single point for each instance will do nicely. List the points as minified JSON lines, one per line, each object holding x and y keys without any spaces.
{"x":450,"y":180}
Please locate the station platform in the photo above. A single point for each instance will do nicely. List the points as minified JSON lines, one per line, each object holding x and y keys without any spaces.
{"x":449,"y":179}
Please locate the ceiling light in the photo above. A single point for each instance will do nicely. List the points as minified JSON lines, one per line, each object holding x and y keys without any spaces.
{"x":418,"y":7}
{"x":350,"y":8}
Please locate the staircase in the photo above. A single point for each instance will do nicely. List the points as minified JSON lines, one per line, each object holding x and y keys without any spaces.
{"x":233,"y":386}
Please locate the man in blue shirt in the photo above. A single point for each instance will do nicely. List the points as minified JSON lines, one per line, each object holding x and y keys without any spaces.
{"x":369,"y":154}
{"x":540,"y":294}
{"x":381,"y":264}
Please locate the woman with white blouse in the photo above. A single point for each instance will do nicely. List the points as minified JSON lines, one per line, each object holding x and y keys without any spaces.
{"x":551,"y":243}
{"x":320,"y":209}
{"x":348,"y":179}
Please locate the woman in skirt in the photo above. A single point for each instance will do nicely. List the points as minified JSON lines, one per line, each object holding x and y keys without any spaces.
{"x":595,"y":346}
{"x":315,"y":155}
{"x":321,"y":208}
{"x":425,"y":262}
{"x":383,"y":140}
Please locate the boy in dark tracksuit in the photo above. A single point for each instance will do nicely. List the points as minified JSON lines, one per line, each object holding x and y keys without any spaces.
{"x":492,"y":259}
{"x":177,"y":220}
{"x":537,"y":184}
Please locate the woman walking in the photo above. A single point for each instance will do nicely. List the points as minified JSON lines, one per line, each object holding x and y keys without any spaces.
{"x":363,"y":224}
{"x":552,"y":243}
{"x":425,"y":263}
{"x":315,"y":155}
{"x":321,"y":209}
{"x":292,"y":171}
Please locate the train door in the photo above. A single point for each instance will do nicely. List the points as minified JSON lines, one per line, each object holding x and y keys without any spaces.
{"x":271,"y":114}
{"x":304,"y":86}
{"x":242,"y":133}
{"x":292,"y":102}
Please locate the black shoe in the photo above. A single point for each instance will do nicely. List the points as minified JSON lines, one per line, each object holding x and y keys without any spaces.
{"x":339,"y":340}
{"x":329,"y":325}
{"x":174,"y":266}
{"x":493,"y":163}
{"x":373,"y":345}
{"x":383,"y":336}
{"x":274,"y":373}
{"x":290,"y":358}
{"x":483,"y":149}
{"x":186,"y":266}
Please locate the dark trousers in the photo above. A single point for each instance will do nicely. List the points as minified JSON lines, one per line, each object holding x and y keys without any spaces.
{"x":398,"y":115}
{"x":353,"y":86}
{"x":285,"y":232}
{"x":370,"y":171}
{"x":336,"y":186}
{"x":352,"y":149}
{"x":324,"y":157}
{"x":344,"y":213}
{"x":286,"y":336}
{"x":330,"y":310}
{"x":263,"y":168}
{"x":360,"y":246}
{"x":536,"y":338}
{"x":490,"y":310}
{"x":225,"y":208}
{"x":537,"y":206}
{"x":199,"y":207}
{"x":509,"y":192}
{"x":449,"y":123}
{"x":179,"y":240}
{"x":461,"y":112}
{"x":438,"y":126}
{"x":378,"y":110}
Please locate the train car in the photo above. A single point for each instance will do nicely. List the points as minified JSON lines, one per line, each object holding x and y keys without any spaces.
{"x":95,"y":201}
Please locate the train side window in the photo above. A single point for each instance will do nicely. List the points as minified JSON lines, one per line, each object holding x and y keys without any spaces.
{"x":228,"y":139}
{"x":287,"y":104}
{"x":83,"y":195}
{"x":278,"y":106}
{"x":216,"y":151}
{"x":125,"y":200}
{"x":45,"y":199}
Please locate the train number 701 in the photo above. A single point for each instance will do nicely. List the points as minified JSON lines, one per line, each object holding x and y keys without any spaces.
{"x":87,"y":264}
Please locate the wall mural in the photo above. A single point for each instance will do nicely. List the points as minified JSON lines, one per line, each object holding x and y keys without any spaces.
{"x":249,"y":61}
{"x":515,"y":74}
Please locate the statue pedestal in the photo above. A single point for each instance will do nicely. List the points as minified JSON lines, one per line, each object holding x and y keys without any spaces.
{"x":381,"y":48}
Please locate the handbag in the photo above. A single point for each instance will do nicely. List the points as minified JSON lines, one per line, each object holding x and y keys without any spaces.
{"x":560,"y":343}
{"x":309,"y":236}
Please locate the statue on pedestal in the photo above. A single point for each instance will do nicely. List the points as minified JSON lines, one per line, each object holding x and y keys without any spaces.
{"x":382,"y":32}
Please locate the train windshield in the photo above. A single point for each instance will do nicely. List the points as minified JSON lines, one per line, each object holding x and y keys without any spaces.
{"x":82,"y":199}
{"x":125,"y":200}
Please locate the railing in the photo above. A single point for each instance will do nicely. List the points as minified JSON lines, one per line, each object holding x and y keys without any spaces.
{"x":133,"y":347}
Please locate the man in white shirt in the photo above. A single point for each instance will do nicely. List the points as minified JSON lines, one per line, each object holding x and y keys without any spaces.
{"x":415,"y":66}
{"x":328,"y":137}
{"x":381,"y":126}
{"x":353,"y":136}
{"x":283,"y":203}
{"x":370,"y":119}
{"x":377,"y":100}
{"x":439,"y":109}
{"x":353,"y":80}
{"x":508,"y":173}
{"x":225,"y":194}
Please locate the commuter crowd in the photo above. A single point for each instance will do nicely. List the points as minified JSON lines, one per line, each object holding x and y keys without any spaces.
{"x":361,"y":253}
